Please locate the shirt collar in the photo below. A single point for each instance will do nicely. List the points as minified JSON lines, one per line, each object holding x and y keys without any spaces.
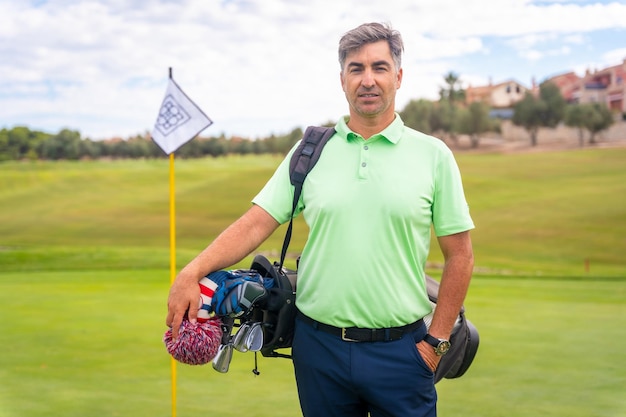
{"x":392,"y":133}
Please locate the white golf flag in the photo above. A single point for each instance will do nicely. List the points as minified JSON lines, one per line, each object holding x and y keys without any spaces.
{"x":179,"y":120}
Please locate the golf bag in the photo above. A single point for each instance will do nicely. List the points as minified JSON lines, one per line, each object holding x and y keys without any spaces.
{"x":279,"y":310}
{"x":463,"y":340}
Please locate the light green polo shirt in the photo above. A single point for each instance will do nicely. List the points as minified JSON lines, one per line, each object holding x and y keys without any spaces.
{"x":369,"y":205}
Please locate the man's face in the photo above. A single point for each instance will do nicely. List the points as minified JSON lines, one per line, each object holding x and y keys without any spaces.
{"x":370,"y":80}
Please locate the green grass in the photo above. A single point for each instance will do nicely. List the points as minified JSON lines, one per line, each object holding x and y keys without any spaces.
{"x":89,"y":343}
{"x":84,"y":274}
{"x":548,"y":348}
{"x":546,"y":213}
{"x":536,"y":214}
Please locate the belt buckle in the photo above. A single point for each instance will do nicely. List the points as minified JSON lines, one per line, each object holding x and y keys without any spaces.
{"x":344,"y":337}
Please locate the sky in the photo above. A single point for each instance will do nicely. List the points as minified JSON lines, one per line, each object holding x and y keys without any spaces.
{"x":265,"y":67}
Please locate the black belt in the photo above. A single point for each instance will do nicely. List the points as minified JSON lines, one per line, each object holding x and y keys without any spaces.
{"x":359,"y":334}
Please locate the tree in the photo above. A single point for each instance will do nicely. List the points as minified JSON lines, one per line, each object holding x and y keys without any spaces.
{"x":594,"y":117}
{"x":575,"y":117}
{"x":63,"y":145}
{"x":553,"y":113}
{"x":449,"y":96}
{"x":598,"y":118}
{"x":452,"y":92}
{"x":291,"y":138}
{"x":527,"y":113}
{"x":20,"y":142}
{"x":443,"y":117}
{"x":474,"y":121}
{"x":215,"y":146}
{"x":544,"y":111}
{"x":91,"y":149}
{"x":417,"y":115}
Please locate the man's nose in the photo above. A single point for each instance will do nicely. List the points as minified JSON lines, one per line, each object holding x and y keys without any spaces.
{"x":368,"y":79}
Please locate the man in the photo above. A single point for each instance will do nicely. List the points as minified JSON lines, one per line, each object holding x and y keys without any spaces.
{"x":360,"y":345}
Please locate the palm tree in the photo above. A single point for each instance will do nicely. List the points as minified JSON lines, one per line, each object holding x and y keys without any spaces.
{"x":452,"y":92}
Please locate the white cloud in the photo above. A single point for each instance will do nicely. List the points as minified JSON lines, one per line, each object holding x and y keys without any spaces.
{"x":254,"y":67}
{"x":614,"y":57}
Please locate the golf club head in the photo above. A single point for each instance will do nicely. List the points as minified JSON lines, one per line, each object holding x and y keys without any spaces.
{"x":249,"y":337}
{"x":221,"y":361}
{"x":248,"y":294}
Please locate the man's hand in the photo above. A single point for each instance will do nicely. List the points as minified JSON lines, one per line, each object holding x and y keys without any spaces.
{"x":429,"y":355}
{"x":183,"y":299}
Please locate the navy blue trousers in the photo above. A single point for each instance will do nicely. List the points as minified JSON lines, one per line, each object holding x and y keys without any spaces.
{"x":352,"y":379}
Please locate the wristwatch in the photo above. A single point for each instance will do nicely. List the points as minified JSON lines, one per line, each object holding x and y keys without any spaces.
{"x":441,"y":346}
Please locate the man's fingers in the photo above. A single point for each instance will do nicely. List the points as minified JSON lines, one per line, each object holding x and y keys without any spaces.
{"x":176,"y":322}
{"x":170,"y":317}
{"x":174,"y":319}
{"x":192,"y":314}
{"x":429,"y":356}
{"x":183,"y":299}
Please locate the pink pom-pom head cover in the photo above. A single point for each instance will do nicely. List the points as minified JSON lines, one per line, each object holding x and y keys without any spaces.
{"x":197,"y":343}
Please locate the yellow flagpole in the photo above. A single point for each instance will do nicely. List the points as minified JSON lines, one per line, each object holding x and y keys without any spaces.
{"x":173,"y":263}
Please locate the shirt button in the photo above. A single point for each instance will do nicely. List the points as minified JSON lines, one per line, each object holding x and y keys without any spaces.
{"x":363,"y":164}
{"x":366,"y":147}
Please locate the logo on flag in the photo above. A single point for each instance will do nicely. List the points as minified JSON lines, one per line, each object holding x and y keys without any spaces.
{"x":179,"y":120}
{"x":171,"y":116}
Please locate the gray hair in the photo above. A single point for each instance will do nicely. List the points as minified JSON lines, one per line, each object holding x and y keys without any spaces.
{"x":371,"y":33}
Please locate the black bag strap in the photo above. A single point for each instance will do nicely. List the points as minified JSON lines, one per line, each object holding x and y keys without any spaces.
{"x":302,"y":162}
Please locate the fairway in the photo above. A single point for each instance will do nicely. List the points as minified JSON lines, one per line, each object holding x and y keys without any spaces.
{"x":84,"y":275}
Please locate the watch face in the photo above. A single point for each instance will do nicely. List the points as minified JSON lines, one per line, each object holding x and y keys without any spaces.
{"x":442,"y":348}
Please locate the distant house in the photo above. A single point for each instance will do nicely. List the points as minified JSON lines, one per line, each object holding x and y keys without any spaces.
{"x":568,"y":83}
{"x":499,"y":96}
{"x":606,"y":86}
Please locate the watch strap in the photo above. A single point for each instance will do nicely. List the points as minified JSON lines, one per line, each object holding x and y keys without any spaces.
{"x":432,"y":340}
{"x":441,"y":346}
